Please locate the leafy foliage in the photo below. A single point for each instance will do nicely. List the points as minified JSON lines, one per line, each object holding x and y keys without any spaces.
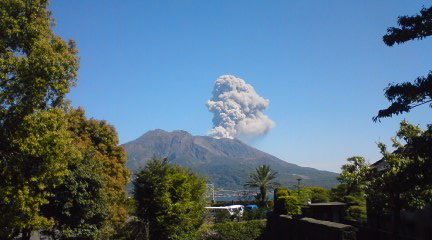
{"x":247,"y":230}
{"x":170,"y":200}
{"x":318,"y":194}
{"x":406,"y":181}
{"x":355,"y":179}
{"x":411,"y":27}
{"x":101,"y":138}
{"x":263,"y":178}
{"x":37,"y":69}
{"x":402,"y":181}
{"x":406,"y":96}
{"x":37,"y":159}
{"x":53,"y":161}
{"x":289,"y":205}
{"x":287,"y":202}
{"x":254,"y":214}
{"x":418,"y":155}
{"x":354,"y":174}
{"x":79,"y":206}
{"x":90,"y":203}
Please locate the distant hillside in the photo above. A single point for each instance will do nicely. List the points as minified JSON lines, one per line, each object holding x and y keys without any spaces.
{"x":226,"y":162}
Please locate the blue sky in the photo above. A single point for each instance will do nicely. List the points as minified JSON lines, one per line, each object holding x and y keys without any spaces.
{"x":322,"y":65}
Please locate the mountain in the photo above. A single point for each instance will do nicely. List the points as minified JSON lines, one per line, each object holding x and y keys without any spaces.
{"x":226,"y":162}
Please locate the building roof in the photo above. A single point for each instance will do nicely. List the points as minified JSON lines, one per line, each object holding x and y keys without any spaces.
{"x":380,"y":164}
{"x":327,"y":204}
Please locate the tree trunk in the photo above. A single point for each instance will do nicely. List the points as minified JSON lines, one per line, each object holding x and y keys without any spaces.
{"x":396,"y":221}
{"x":26,"y":234}
{"x":263,"y":193}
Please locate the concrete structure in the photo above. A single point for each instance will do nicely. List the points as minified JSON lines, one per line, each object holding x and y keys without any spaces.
{"x":285,"y":228}
{"x":328,"y":211}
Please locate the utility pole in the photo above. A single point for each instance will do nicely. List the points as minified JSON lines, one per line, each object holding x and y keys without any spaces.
{"x":298,"y":185}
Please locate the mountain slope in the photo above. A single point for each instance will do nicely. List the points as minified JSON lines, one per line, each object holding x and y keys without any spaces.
{"x":226,"y":162}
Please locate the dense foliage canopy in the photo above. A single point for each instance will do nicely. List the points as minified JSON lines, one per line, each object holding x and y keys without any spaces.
{"x":170,"y":200}
{"x":53,"y":161}
{"x":407,"y":95}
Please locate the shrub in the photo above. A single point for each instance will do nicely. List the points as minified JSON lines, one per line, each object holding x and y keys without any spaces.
{"x":289,"y":205}
{"x":281,"y":192}
{"x":221,"y":216}
{"x":356,"y":213}
{"x":319,"y":194}
{"x":247,"y":230}
{"x":253,"y":214}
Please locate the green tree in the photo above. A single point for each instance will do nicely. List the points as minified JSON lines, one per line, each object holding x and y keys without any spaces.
{"x":354,"y":174}
{"x":356,"y":200}
{"x":37,"y":69}
{"x":80,"y":205}
{"x":90,"y":203}
{"x":405,"y":182}
{"x":170,"y":200}
{"x":319,"y":194}
{"x":36,"y":159}
{"x":417,"y":169}
{"x":45,"y":145}
{"x":101,"y":139}
{"x":264,"y":179}
{"x":388,"y":187}
{"x":287,"y":202}
{"x":354,"y":178}
{"x":406,"y":96}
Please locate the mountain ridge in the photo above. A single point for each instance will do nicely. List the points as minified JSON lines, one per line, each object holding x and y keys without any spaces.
{"x":226,"y":162}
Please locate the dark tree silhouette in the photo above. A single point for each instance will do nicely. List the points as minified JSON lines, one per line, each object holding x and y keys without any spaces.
{"x":406,"y":96}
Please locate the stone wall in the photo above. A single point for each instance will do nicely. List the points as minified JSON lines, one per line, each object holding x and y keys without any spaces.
{"x":285,"y":228}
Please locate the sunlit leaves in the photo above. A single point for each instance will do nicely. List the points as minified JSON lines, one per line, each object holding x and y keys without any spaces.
{"x":170,"y":200}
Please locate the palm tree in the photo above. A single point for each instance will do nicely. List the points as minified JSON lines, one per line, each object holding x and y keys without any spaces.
{"x":262,"y":178}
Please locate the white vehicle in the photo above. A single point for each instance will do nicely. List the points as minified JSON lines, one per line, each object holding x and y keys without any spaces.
{"x":235,"y":211}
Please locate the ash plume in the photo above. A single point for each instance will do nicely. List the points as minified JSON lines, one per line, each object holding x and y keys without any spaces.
{"x":237,"y":110}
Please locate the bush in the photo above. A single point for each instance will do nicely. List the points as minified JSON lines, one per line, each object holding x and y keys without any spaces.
{"x":356,"y":213}
{"x":281,"y":192}
{"x":253,"y":214}
{"x":247,"y":230}
{"x":319,"y":194}
{"x":221,"y":216}
{"x":289,"y":205}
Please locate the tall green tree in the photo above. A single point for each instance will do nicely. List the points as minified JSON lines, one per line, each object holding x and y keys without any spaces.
{"x":354,"y":178}
{"x":37,"y":69}
{"x":406,"y":179}
{"x":79,"y":206}
{"x":264,"y":179}
{"x":170,"y":200}
{"x":36,"y":159}
{"x":389,"y":188}
{"x":406,"y":96}
{"x":403,"y":182}
{"x":51,"y":156}
{"x":354,"y":174}
{"x":90,"y":203}
{"x":101,"y":138}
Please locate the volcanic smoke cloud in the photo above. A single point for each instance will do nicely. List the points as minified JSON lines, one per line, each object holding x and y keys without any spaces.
{"x":238,"y":110}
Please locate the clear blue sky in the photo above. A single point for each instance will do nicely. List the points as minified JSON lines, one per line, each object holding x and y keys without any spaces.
{"x":322,"y":65}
